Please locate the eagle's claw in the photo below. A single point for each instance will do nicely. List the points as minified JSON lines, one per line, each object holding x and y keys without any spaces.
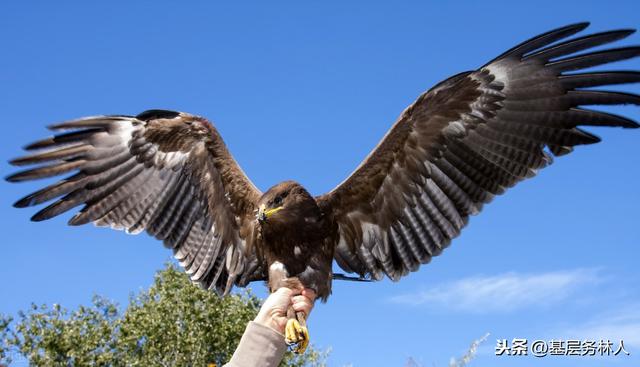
{"x":296,"y":336}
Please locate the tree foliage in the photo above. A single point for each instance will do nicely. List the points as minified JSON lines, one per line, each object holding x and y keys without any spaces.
{"x":173,"y":323}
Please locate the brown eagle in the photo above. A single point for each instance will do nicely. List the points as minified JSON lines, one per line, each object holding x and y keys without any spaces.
{"x":467,"y":139}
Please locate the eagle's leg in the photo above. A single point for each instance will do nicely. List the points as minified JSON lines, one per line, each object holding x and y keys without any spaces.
{"x":296,"y":333}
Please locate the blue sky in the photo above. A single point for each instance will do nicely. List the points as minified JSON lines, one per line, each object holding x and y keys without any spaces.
{"x":304,"y":92}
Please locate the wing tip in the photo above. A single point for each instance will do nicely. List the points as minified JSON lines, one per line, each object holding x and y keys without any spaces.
{"x":625,"y":31}
{"x":20,"y":176}
{"x":541,"y":40}
{"x":43,"y":143}
{"x":580,"y":26}
{"x":572,"y":28}
{"x":23,"y":203}
{"x":11,"y":178}
{"x":19,"y":161}
{"x":40,"y":216}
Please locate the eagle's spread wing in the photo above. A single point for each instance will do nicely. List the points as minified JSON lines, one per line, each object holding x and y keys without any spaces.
{"x":164,"y":172}
{"x":468,"y":139}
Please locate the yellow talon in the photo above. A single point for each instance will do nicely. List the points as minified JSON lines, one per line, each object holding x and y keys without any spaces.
{"x":296,"y":336}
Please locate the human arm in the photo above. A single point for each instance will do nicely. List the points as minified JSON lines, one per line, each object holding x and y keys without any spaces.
{"x":262,"y":343}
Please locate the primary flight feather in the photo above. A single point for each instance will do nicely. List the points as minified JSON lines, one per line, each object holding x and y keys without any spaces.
{"x":467,"y":139}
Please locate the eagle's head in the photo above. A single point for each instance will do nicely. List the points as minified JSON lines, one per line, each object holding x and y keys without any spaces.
{"x":287,"y":207}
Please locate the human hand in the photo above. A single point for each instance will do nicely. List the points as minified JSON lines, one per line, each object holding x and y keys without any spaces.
{"x":273,"y":313}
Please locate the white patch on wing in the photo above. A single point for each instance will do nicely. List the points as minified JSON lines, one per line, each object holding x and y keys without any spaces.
{"x":124,"y":131}
{"x":170,"y":159}
{"x":498,"y":71}
{"x":454,"y":129}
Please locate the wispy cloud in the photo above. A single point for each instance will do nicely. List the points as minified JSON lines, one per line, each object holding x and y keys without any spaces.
{"x":620,"y":323}
{"x":504,"y":292}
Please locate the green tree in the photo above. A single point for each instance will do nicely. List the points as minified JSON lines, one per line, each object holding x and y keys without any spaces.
{"x":173,"y":323}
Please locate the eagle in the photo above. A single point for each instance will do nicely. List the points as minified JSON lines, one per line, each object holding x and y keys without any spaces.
{"x":461,"y":143}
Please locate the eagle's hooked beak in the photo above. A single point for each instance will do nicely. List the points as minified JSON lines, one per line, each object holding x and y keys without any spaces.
{"x":264,"y":213}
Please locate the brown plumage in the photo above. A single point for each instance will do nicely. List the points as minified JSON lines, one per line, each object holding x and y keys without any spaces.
{"x":458,"y":145}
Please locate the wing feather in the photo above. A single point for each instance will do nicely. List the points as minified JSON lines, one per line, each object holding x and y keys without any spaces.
{"x":469,"y":139}
{"x":165,"y":172}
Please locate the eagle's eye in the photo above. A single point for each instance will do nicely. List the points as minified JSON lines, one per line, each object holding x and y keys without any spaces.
{"x":277,"y":201}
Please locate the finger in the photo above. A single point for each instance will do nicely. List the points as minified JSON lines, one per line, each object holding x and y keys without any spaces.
{"x":281,"y":297}
{"x":302,"y":303}
{"x":296,"y":291}
{"x":284,"y":292}
{"x":300,"y":299}
{"x":302,"y":307}
{"x":309,"y":293}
